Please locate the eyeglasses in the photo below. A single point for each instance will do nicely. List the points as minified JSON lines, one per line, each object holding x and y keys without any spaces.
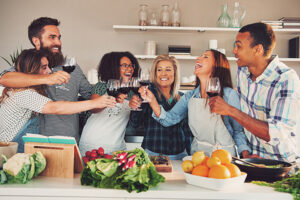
{"x":125,"y":66}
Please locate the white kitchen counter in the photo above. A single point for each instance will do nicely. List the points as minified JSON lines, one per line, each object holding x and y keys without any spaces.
{"x":175,"y":187}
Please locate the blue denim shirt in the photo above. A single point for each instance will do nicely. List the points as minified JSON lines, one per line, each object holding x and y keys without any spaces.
{"x":180,"y":111}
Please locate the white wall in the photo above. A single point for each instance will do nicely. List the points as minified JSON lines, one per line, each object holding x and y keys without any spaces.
{"x":87,"y":33}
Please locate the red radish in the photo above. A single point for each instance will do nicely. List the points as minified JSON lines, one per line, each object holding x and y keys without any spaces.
{"x":94,"y":150}
{"x":88,"y":154}
{"x":131,"y":157}
{"x":85,"y":159}
{"x":120,"y":156}
{"x":94,"y":155}
{"x":124,"y":160}
{"x":108,"y":156}
{"x":100,"y":151}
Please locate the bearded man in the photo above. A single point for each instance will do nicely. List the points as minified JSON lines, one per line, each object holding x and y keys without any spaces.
{"x":43,"y":33}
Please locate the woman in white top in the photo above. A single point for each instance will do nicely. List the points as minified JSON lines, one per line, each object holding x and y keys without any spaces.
{"x":105,"y":128}
{"x":18,"y":105}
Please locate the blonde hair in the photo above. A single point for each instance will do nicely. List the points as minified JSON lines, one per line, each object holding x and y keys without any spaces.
{"x":176,"y":84}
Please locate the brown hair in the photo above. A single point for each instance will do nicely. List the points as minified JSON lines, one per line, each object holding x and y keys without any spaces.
{"x":221,"y":69}
{"x":29,"y":62}
{"x":176,"y":84}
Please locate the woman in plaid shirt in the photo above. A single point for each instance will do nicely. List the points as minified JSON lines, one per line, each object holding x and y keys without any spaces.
{"x":173,"y":141}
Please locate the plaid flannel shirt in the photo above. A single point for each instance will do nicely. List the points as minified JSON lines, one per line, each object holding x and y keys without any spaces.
{"x":157,"y":138}
{"x":274,"y":97}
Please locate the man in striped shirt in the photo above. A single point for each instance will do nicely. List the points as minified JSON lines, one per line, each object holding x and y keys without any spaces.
{"x":269,"y":94}
{"x":43,"y":33}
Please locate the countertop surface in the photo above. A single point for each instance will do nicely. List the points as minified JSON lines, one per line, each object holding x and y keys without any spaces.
{"x":175,"y":187}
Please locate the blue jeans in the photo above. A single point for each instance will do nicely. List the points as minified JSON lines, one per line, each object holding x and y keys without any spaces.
{"x":32,"y":126}
{"x":172,"y":157}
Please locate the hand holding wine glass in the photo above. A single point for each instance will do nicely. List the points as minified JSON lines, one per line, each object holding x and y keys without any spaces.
{"x":213,"y":87}
{"x":134,"y":85}
{"x":144,"y":80}
{"x":68,"y":67}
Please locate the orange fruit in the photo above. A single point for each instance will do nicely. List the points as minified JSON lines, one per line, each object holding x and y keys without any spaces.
{"x":223,"y":155}
{"x":201,"y":170}
{"x":205,"y":161}
{"x":219,"y":172}
{"x":187,"y":166}
{"x":234,"y":170}
{"x":213,"y":161}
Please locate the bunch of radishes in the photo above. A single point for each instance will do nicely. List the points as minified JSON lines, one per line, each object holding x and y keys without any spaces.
{"x":94,"y":154}
{"x":126,"y":162}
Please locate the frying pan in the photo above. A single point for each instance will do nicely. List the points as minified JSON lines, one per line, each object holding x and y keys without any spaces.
{"x":264,"y":174}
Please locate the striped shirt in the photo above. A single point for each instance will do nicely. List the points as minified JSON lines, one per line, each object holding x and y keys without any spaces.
{"x":274,"y":97}
{"x":17,"y":109}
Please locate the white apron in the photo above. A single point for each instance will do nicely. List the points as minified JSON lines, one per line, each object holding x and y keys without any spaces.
{"x":106,"y":129}
{"x":208,"y":129}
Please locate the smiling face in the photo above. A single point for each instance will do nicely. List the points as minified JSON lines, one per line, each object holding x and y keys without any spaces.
{"x":44,"y":69}
{"x":126,"y":68}
{"x":50,"y":39}
{"x":165,"y":73}
{"x":243,"y":50}
{"x":204,"y":64}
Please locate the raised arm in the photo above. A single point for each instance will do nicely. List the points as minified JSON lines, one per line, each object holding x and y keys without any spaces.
{"x":21,"y":80}
{"x":173,"y":116}
{"x":67,"y":108}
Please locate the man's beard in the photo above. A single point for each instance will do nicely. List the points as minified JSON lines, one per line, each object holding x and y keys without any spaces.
{"x":54,"y":59}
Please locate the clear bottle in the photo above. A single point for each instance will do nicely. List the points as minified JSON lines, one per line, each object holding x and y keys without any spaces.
{"x":143,"y":15}
{"x":224,"y":20}
{"x":153,"y":19}
{"x":165,"y":15}
{"x":238,"y":15}
{"x":175,"y":15}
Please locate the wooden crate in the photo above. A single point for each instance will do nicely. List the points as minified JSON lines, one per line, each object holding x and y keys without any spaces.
{"x":63,"y":160}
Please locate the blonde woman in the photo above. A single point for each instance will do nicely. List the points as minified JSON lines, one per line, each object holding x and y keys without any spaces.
{"x":173,"y":141}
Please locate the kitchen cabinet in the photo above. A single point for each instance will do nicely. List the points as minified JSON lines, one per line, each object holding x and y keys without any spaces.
{"x":201,"y":30}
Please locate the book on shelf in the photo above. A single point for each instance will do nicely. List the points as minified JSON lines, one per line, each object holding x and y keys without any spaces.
{"x":48,"y":139}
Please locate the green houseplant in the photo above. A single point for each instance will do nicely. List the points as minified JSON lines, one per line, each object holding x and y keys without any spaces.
{"x":13,"y":57}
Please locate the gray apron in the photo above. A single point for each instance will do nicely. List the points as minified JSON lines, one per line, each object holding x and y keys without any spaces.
{"x":208,"y":129}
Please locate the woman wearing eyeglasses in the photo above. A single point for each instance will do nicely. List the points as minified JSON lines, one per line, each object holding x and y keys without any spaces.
{"x":104,"y":128}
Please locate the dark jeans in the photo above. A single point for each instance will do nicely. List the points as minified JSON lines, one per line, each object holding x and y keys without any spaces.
{"x":32,"y":126}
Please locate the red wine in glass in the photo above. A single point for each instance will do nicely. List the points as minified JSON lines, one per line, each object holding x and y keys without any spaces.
{"x":69,"y":69}
{"x":124,"y":90}
{"x":212,"y":94}
{"x":144,"y":82}
{"x":113,"y":93}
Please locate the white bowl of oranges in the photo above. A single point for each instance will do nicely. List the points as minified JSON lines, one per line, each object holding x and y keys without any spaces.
{"x":215,"y":172}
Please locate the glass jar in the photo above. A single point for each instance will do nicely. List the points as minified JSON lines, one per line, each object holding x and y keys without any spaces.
{"x":165,"y":15}
{"x":224,"y":20}
{"x":153,"y":19}
{"x":175,"y":15}
{"x":143,"y":15}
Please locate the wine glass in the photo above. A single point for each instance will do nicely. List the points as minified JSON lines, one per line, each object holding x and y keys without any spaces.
{"x":213,"y":87}
{"x":113,"y":87}
{"x":144,"y":81}
{"x":68,"y":66}
{"x":124,"y":85}
{"x":134,"y":85}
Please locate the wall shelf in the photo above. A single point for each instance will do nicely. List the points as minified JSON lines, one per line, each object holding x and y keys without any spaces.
{"x":181,"y":57}
{"x":197,"y":29}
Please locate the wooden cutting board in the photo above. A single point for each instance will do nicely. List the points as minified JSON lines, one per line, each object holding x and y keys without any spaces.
{"x":162,"y":165}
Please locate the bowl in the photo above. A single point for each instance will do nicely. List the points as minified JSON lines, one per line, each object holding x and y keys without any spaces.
{"x":213,"y":183}
{"x":264,"y":174}
{"x":9,"y":150}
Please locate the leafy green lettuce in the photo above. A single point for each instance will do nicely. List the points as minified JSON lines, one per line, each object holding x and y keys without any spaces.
{"x":107,"y":173}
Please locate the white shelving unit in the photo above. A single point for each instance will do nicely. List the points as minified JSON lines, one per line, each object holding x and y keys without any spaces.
{"x":197,"y":29}
{"x":179,"y":57}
